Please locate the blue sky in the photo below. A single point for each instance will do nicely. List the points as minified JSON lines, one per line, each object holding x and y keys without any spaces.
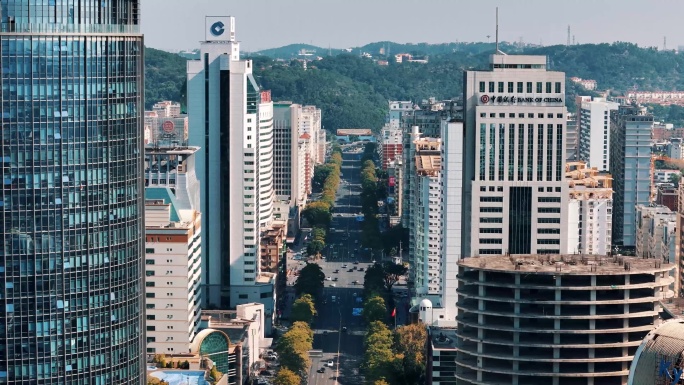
{"x":261,"y":24}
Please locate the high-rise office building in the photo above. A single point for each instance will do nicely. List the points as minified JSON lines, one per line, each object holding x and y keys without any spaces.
{"x":630,"y":165}
{"x":231,"y":120}
{"x":72,"y":194}
{"x":594,"y":132}
{"x":515,"y":117}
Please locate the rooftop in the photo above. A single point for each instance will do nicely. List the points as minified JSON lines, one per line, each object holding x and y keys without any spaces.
{"x":576,"y":264}
{"x":181,"y":377}
{"x":443,"y":338}
{"x":156,"y":195}
{"x":428,"y":164}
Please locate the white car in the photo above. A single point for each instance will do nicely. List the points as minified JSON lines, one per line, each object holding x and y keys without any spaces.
{"x":328,"y":278}
{"x":333,"y":285}
{"x":330,"y":363}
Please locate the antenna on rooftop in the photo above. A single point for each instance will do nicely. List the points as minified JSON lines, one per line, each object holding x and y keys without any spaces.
{"x":497,"y":30}
{"x":568,"y":43}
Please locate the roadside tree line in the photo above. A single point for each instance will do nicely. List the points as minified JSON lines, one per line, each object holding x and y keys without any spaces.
{"x":372,"y":185}
{"x":293,"y":347}
{"x":394,"y":357}
{"x":319,"y":212}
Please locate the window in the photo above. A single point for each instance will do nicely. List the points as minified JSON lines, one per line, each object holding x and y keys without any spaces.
{"x":149,"y":261}
{"x":491,"y":199}
{"x":491,"y":209}
{"x":549,"y":210}
{"x":548,"y":87}
{"x":548,"y":241}
{"x":150,"y":317}
{"x":491,"y":220}
{"x":491,"y":241}
{"x":491,"y":86}
{"x":548,"y":199}
{"x":149,"y":284}
{"x":482,"y":86}
{"x":539,"y":87}
{"x":548,"y":220}
{"x":149,"y":306}
{"x":548,"y":231}
{"x":149,"y":250}
{"x":510,"y":87}
{"x":520,"y":87}
{"x":558,"y":87}
{"x":489,"y":251}
{"x":150,"y":328}
{"x":501,"y":86}
{"x":243,"y":296}
{"x":488,"y":230}
{"x":149,"y":295}
{"x":529,"y":87}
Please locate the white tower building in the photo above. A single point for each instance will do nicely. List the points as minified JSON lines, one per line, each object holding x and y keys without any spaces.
{"x":594,"y":132}
{"x":515,"y":117}
{"x":229,"y":116}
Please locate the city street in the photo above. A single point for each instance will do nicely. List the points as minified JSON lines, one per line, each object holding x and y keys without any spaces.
{"x":337,"y":313}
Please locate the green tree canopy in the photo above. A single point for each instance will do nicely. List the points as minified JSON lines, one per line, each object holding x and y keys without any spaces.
{"x":374,"y":309}
{"x":303,"y":309}
{"x":411,"y":343}
{"x":286,"y":376}
{"x":374,"y":280}
{"x":379,"y":360}
{"x":293,"y":348}
{"x":392,"y":272}
{"x":310,"y":280}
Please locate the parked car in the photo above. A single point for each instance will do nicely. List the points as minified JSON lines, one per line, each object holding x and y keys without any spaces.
{"x":328,"y":278}
{"x":355,"y":282}
{"x":330,"y":363}
{"x":335,"y":279}
{"x":321,"y":370}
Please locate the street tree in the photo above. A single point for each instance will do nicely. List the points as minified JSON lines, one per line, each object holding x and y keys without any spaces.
{"x":374,"y":309}
{"x":303,"y":309}
{"x":378,"y":333}
{"x":317,"y":213}
{"x":374,"y":280}
{"x":379,"y":360}
{"x":310,"y":280}
{"x":392,"y":272}
{"x":411,"y":343}
{"x":293,"y":348}
{"x":286,"y":376}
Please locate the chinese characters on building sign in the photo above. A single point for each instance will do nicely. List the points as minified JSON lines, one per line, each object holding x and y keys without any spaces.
{"x":499,"y":99}
{"x":265,"y":96}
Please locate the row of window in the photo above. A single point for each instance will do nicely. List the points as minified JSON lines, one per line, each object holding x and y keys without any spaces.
{"x":522,"y":87}
{"x":521,"y":115}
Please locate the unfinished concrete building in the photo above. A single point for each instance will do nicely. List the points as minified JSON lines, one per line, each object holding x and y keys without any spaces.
{"x":555,"y":319}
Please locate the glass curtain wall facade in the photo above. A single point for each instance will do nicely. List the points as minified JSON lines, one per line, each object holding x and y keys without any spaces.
{"x":71,"y":310}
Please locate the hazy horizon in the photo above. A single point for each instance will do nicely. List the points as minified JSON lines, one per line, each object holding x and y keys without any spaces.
{"x":264,"y":24}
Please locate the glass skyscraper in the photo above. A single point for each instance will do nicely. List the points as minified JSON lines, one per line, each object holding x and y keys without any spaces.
{"x":71,"y":203}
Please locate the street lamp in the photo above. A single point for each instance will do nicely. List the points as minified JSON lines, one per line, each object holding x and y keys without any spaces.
{"x":339,"y":341}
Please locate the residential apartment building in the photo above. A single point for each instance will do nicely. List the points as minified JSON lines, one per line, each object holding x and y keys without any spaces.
{"x":167,"y":109}
{"x":630,"y":162}
{"x":590,"y":208}
{"x":173,"y":270}
{"x":231,"y":121}
{"x":290,"y":155}
{"x":391,"y":145}
{"x":571,"y":139}
{"x":656,"y":232}
{"x":594,"y":132}
{"x":397,"y":110}
{"x":515,"y":119}
{"x":310,"y":124}
{"x":427,"y":264}
{"x":679,"y":241}
{"x":676,"y":148}
{"x":656,"y":237}
{"x":72,"y":194}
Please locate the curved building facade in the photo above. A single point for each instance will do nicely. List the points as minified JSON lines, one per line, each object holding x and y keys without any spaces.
{"x":71,"y":306}
{"x":660,"y":357}
{"x":555,"y":320}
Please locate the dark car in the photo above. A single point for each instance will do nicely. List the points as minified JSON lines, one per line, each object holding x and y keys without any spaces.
{"x":360,"y":268}
{"x":355,"y":282}
{"x":336,"y":271}
{"x":350,"y":270}
{"x":321,"y":370}
{"x":356,"y":262}
{"x":335,"y":279}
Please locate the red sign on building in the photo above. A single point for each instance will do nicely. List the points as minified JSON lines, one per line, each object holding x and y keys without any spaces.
{"x":168,"y":126}
{"x":265,"y":96}
{"x":392,"y":181}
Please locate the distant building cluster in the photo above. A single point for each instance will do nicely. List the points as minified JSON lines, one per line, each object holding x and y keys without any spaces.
{"x":587,"y":84}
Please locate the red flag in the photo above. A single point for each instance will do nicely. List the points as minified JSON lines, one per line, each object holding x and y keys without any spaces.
{"x":394,"y":312}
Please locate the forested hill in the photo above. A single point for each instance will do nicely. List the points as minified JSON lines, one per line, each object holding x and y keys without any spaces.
{"x":353,"y":91}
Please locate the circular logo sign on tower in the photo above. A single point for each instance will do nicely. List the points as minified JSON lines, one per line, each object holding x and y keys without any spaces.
{"x":484,"y":98}
{"x":168,"y":126}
